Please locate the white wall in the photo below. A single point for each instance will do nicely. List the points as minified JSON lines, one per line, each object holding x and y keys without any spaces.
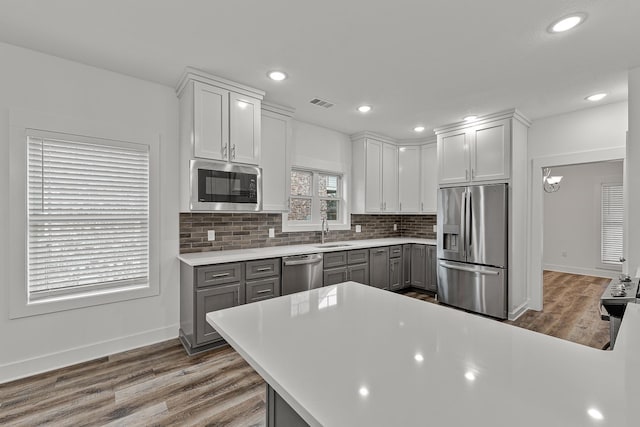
{"x":589,"y":135}
{"x":572,"y":218}
{"x":633,"y":174}
{"x":44,"y":84}
{"x":584,"y":130}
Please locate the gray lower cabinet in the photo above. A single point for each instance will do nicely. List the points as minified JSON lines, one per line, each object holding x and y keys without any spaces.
{"x":406,"y":266}
{"x":258,"y":290}
{"x":334,"y":275}
{"x":358,"y":273}
{"x":212,"y":299}
{"x":379,"y":267}
{"x":214,"y":287}
{"x":432,"y":269}
{"x":346,"y":265}
{"x":418,"y":266}
{"x":395,"y":274}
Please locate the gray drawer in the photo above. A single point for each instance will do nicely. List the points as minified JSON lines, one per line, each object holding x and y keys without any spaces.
{"x":258,"y":290}
{"x":335,"y":259}
{"x":218,"y":274}
{"x":395,"y":251}
{"x":334,"y":275}
{"x":360,"y":256}
{"x":262,"y":268}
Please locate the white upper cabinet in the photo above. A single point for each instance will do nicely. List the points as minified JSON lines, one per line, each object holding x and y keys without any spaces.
{"x":389,"y":178}
{"x":453,"y":156}
{"x":409,"y":160}
{"x":374,"y":175}
{"x":469,"y":153}
{"x":429,"y":178}
{"x":373,"y":171}
{"x":210,"y":122}
{"x":276,"y":149}
{"x":244,"y":132}
{"x":490,"y":151}
{"x":219,"y":119}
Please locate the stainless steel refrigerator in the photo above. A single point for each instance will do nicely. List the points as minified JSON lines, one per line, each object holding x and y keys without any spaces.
{"x":472,"y":248}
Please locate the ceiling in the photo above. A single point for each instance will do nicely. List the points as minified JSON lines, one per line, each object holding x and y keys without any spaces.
{"x":415,"y":61}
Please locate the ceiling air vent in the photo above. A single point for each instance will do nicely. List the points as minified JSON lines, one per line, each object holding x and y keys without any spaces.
{"x":321,"y":103}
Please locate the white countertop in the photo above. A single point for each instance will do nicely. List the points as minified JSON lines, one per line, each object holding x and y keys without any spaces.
{"x":220,"y":257}
{"x":319,"y":349}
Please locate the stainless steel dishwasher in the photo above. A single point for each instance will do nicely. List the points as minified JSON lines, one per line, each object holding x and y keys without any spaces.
{"x":301,"y":273}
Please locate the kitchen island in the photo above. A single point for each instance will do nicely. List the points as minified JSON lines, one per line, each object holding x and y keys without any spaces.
{"x":353,"y":355}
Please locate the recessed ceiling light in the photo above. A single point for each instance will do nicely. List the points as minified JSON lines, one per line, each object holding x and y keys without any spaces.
{"x":419,"y":128}
{"x":595,"y":414}
{"x":469,"y":375}
{"x":364,"y":108}
{"x":596,"y":96}
{"x":470,"y":118}
{"x":277,"y":75}
{"x":568,"y":22}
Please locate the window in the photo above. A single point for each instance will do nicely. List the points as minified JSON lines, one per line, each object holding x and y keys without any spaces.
{"x":315,"y":196}
{"x":611,"y":224}
{"x":87,"y":216}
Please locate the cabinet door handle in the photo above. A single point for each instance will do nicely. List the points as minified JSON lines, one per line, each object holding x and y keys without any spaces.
{"x":264,"y":291}
{"x":263,"y":269}
{"x":472,"y":173}
{"x":379,"y":251}
{"x":400,"y":206}
{"x":224,"y":152}
{"x":215,"y":276}
{"x":233,"y":152}
{"x":385,"y":206}
{"x":422,"y":206}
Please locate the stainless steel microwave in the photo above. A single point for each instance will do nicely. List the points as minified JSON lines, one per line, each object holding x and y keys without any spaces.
{"x":221,"y":186}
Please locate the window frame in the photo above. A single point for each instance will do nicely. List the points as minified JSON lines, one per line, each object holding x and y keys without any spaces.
{"x":315,"y":224}
{"x":21,"y":123}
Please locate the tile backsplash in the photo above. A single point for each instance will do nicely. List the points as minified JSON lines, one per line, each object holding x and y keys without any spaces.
{"x":251,"y":230}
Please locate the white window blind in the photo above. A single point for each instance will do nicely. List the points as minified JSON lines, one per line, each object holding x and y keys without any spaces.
{"x":612,"y":223}
{"x":88,"y":215}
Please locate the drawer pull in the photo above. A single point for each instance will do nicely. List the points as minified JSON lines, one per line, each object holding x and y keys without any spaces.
{"x":264,"y":291}
{"x":215,"y":276}
{"x":263,"y":269}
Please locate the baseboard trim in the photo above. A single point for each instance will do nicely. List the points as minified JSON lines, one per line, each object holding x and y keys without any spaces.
{"x":596,"y":272}
{"x":519,"y":311}
{"x":47,"y":362}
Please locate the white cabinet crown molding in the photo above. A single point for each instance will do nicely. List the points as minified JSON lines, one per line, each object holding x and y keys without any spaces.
{"x":193,"y":74}
{"x":506,"y":114}
{"x":278,"y":108}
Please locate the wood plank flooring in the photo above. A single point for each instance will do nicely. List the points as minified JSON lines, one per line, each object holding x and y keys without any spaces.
{"x":570,"y":309}
{"x":160,"y":385}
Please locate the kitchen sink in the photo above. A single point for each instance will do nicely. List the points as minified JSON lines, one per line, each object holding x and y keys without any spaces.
{"x":333,"y":245}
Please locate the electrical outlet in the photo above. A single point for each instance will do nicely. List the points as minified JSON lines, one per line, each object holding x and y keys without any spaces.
{"x":395,"y":227}
{"x":358,"y":229}
{"x":272,"y":232}
{"x":211,"y":235}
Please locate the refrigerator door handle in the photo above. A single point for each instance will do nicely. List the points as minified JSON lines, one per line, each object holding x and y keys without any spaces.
{"x":469,"y":269}
{"x":467,"y":228}
{"x":463,"y":231}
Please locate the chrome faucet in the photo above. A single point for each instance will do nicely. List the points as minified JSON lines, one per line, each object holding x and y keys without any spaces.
{"x":325,"y":228}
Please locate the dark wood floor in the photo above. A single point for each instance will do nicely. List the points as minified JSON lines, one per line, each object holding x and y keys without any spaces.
{"x":161,"y":385}
{"x":570,"y":309}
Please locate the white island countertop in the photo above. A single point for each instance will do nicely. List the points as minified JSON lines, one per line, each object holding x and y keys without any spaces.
{"x":235,"y":255}
{"x":354,"y":355}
